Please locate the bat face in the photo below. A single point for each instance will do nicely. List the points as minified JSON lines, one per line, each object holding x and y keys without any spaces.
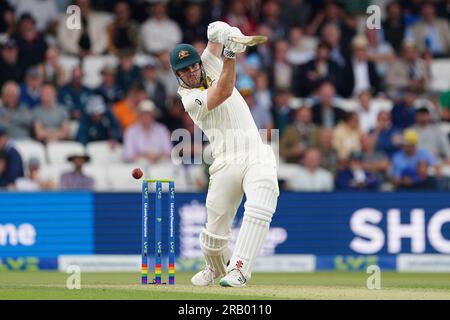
{"x":249,"y":40}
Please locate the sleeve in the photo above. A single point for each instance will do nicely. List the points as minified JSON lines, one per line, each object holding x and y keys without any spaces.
{"x":213,"y":65}
{"x":196,"y":103}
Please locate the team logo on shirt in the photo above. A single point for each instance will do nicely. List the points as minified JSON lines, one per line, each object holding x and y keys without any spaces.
{"x":198,"y":102}
{"x":183,"y":54}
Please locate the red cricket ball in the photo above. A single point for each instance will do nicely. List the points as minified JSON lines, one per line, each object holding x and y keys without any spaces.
{"x":137,"y":173}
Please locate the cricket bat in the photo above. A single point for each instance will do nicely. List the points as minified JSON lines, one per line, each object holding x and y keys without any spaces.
{"x":249,"y":40}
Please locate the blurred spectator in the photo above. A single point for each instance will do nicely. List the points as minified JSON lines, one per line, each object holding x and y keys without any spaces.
{"x":77,"y":179}
{"x":108,"y":88}
{"x":50,"y":119}
{"x":30,"y":90}
{"x":388,"y":138}
{"x":154,"y":87}
{"x":347,"y":136}
{"x":263,"y":94}
{"x":309,"y":76}
{"x":74,"y":95}
{"x":128,"y":73}
{"x":299,"y":52}
{"x":51,"y":69}
{"x":300,"y":135}
{"x":403,"y":112}
{"x":325,"y":114}
{"x":431,"y":34}
{"x":296,"y":13}
{"x":282,"y":111}
{"x":332,"y":36}
{"x":159,"y":33}
{"x":173,"y":118}
{"x":394,"y":26}
{"x":261,"y":116}
{"x":430,"y":135}
{"x":123,"y":31}
{"x":216,"y":9}
{"x":147,"y":139}
{"x":329,"y":154}
{"x":7,"y":19}
{"x":331,"y":12}
{"x":11,"y":166}
{"x":374,"y":161}
{"x":33,"y":180}
{"x":407,"y":159}
{"x":125,"y":110}
{"x":237,"y":16}
{"x":30,"y":42}
{"x":264,"y":51}
{"x":165,"y":74}
{"x":91,"y":38}
{"x":417,"y":178}
{"x":409,"y":71}
{"x":444,"y":101}
{"x":282,"y":69}
{"x":10,"y":66}
{"x":360,"y":74}
{"x":193,"y":27}
{"x":247,"y":66}
{"x":14,"y":118}
{"x":98,"y":123}
{"x":45,"y":12}
{"x":311,"y":177}
{"x":354,"y":176}
{"x":379,"y":51}
{"x":272,"y":19}
{"x":367,"y":111}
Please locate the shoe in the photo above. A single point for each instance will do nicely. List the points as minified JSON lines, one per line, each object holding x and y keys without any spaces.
{"x":203,"y":278}
{"x":234,"y":278}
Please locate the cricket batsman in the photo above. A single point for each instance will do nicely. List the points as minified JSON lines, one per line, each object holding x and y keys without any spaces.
{"x":207,"y":89}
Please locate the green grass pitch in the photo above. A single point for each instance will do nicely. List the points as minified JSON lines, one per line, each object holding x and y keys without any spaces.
{"x":317,"y":285}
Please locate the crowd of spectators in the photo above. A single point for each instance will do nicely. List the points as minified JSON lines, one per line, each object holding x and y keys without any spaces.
{"x":318,"y":51}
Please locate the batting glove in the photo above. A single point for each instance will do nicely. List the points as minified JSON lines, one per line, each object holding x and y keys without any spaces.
{"x":215,"y":29}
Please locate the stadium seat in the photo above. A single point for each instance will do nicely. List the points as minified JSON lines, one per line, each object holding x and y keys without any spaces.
{"x":92,"y":67}
{"x":29,"y":149}
{"x":54,"y":171}
{"x":58,"y":152}
{"x":287,"y":170}
{"x":68,"y":63}
{"x":141,"y":59}
{"x":119,"y":177}
{"x":101,"y":153}
{"x":440,"y":71}
{"x":382,"y":104}
{"x":98,"y":172}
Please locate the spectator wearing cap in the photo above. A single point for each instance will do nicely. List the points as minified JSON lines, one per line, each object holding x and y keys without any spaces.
{"x":50,"y":120}
{"x":431,"y":33}
{"x":154,"y":87}
{"x":10,"y":66}
{"x":409,"y":157}
{"x":98,"y":123}
{"x":325,"y":113}
{"x":123,"y":31}
{"x":354,"y":176}
{"x":74,"y":95}
{"x":388,"y":138}
{"x":14,"y":117}
{"x":410,"y":71}
{"x":431,"y":136}
{"x":359,"y":73}
{"x":347,"y":135}
{"x":403,"y":112}
{"x":52,"y":71}
{"x":159,"y":33}
{"x":91,"y":38}
{"x":45,"y":12}
{"x":147,"y":139}
{"x":125,"y":110}
{"x":108,"y":88}
{"x":30,"y":90}
{"x":309,"y":76}
{"x":128,"y":72}
{"x":30,"y":41}
{"x":11,"y":166}
{"x":300,"y":135}
{"x":33,"y":181}
{"x":77,"y":179}
{"x":310,"y":176}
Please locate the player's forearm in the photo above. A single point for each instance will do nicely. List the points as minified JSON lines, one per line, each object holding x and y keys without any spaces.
{"x":227,"y":78}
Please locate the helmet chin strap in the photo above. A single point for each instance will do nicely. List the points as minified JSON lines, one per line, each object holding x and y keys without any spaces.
{"x":202,"y":79}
